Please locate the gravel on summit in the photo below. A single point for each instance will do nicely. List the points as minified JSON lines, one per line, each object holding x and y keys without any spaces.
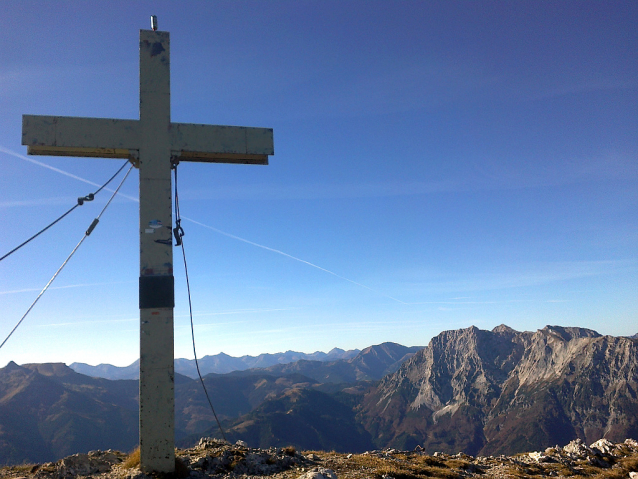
{"x":216,"y":459}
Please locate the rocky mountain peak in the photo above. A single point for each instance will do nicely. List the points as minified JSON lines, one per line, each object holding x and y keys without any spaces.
{"x":336,"y":351}
{"x":503,"y":390}
{"x":12,"y":367}
{"x":504,"y":328}
{"x":51,"y":369}
{"x":569,"y":333}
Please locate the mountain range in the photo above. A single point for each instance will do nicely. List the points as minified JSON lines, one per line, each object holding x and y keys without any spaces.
{"x":48,"y":411}
{"x":470,"y":390}
{"x":219,"y":363}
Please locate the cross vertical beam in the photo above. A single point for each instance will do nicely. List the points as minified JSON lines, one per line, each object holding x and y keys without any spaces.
{"x":152,"y":143}
{"x":157,"y":404}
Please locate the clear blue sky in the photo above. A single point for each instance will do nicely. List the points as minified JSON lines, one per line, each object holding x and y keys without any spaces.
{"x":458,"y":163}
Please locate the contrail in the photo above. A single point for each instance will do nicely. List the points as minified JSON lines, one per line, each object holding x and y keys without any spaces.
{"x":238,"y":238}
{"x":62,"y":172}
{"x":81,"y":285}
{"x":292,"y":257}
{"x":239,"y":311}
{"x":97,"y":321}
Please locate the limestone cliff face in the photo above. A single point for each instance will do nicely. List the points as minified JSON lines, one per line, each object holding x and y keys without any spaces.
{"x":504,"y":391}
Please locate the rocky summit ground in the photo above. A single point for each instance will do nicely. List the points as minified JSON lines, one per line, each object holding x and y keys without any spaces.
{"x":216,"y":459}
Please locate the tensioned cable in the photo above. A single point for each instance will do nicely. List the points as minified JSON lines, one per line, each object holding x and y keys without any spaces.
{"x":179,"y":234}
{"x":87,"y":233}
{"x":2,"y":149}
{"x":80,"y":202}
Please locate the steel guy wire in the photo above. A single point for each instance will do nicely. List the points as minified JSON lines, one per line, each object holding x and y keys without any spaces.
{"x":179,"y":234}
{"x":86,"y":234}
{"x":80,"y":202}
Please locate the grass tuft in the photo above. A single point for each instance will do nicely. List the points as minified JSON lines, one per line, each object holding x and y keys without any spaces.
{"x":290,"y":450}
{"x":403,"y":467}
{"x":133,"y":459}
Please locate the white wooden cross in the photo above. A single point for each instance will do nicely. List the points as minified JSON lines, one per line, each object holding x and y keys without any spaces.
{"x":153,"y":144}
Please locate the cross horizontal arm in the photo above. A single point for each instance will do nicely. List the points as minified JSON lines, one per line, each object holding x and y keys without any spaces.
{"x":107,"y":138}
{"x":76,"y":136}
{"x":221,"y":144}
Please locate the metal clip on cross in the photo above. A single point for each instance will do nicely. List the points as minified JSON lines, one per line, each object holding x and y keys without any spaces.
{"x":178,"y":231}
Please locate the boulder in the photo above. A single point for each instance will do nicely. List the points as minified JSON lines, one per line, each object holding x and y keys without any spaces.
{"x":605,"y":446}
{"x":631,"y":443}
{"x":577,"y":448}
{"x":540,"y":457}
{"x":95,"y":462}
{"x":319,"y":473}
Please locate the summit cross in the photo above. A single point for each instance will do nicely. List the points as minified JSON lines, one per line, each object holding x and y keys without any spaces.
{"x":154,"y":145}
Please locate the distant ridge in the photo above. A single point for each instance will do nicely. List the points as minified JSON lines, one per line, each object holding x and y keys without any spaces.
{"x":219,"y":363}
{"x":108,"y":371}
{"x":371,"y":364}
